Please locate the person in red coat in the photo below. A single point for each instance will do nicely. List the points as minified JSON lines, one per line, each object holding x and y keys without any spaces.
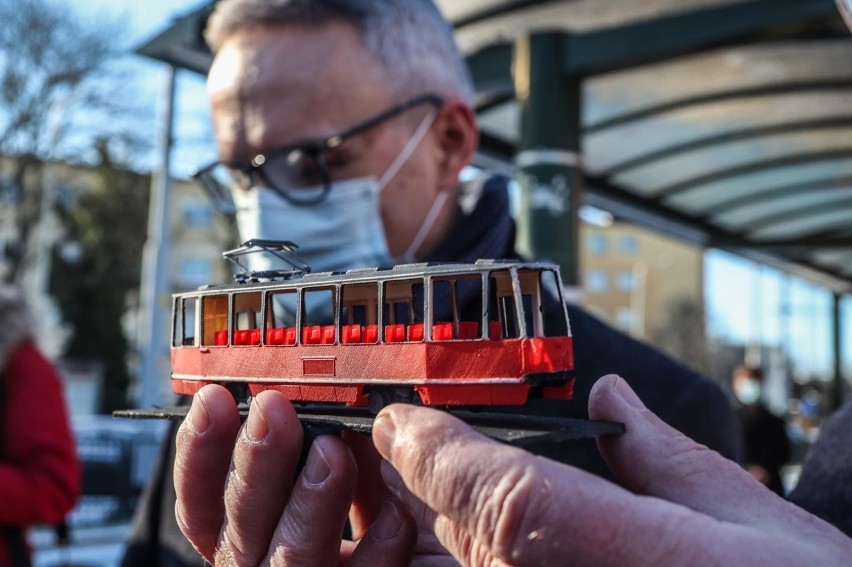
{"x":39,"y":470}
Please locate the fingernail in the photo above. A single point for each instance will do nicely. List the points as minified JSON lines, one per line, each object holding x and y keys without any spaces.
{"x":391,"y":478}
{"x":198,"y":417}
{"x":256,"y":427}
{"x":623,"y":389}
{"x":316,"y":468}
{"x":388,"y":523}
{"x":383,"y":432}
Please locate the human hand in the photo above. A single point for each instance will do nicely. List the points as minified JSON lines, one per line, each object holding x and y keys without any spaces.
{"x":491,"y":504}
{"x":238,"y":503}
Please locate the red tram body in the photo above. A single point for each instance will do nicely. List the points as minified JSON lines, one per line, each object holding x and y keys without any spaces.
{"x":368,"y":337}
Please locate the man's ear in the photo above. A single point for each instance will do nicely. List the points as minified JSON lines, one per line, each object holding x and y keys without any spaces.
{"x":457,"y":136}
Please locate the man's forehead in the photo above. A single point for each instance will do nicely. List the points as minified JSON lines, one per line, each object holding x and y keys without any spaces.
{"x":280,"y":85}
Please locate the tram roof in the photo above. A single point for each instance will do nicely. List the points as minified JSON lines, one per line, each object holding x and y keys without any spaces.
{"x":362,"y":275}
{"x":726,"y":123}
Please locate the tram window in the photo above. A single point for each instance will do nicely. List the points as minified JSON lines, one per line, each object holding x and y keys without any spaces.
{"x":318,"y":307}
{"x":556,"y":325}
{"x":246,"y":318}
{"x":281,"y":309}
{"x":469,"y":293}
{"x":402,"y":310}
{"x":508,"y":317}
{"x":359,"y":304}
{"x":442,"y":295}
{"x":501,"y":305}
{"x":215,"y":324}
{"x":185,"y":322}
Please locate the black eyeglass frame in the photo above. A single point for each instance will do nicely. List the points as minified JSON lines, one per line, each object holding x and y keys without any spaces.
{"x":314,"y":149}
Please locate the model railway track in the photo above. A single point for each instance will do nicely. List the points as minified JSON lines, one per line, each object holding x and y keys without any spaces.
{"x":509,"y":428}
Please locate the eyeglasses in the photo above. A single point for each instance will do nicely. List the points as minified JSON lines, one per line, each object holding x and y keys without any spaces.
{"x":299,"y":173}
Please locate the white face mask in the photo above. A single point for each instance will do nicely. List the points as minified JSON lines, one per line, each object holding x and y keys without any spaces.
{"x":747,"y":391}
{"x":342,"y":232}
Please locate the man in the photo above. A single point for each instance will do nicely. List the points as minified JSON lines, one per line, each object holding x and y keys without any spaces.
{"x":344,"y":126}
{"x":767,"y":447}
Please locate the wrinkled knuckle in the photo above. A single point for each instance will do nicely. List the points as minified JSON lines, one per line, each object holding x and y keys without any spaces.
{"x":513,"y":503}
{"x":230,"y":553}
{"x":690,"y":460}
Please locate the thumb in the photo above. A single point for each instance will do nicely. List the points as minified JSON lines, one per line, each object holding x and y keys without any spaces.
{"x":654,"y":459}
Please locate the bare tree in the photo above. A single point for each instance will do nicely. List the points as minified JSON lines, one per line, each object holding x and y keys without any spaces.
{"x":50,"y":65}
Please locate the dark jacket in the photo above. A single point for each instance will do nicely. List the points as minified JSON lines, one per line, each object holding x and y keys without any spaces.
{"x":825,"y":485}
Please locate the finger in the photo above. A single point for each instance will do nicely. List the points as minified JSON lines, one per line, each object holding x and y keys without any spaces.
{"x":653,"y":458}
{"x":370,"y":491}
{"x":429,"y":544}
{"x":204,"y":444}
{"x":260,"y":480}
{"x":525,"y":509}
{"x":390,"y":539}
{"x":310,"y":529}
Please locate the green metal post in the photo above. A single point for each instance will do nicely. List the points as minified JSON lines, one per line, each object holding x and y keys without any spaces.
{"x":549,"y":157}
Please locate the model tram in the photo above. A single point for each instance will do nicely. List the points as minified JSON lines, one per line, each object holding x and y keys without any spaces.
{"x":439,"y":334}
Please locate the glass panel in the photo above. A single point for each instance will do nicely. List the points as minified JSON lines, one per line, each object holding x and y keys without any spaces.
{"x":215,"y":326}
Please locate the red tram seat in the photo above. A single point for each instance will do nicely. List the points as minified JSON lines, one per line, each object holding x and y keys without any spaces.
{"x":415,"y":332}
{"x":254,"y":337}
{"x":289,"y":335}
{"x":468,"y":330}
{"x":395,"y":333}
{"x":220,"y":338}
{"x":275,"y":336}
{"x":312,"y":335}
{"x":327,"y":337}
{"x":350,"y":334}
{"x":281,"y":336}
{"x":495,"y":330}
{"x":442,"y":332}
{"x":242,"y":337}
{"x":371,"y":333}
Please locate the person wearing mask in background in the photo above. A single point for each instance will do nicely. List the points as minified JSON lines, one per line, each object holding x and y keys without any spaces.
{"x":39,"y":472}
{"x":343,"y":126}
{"x":767,"y":447}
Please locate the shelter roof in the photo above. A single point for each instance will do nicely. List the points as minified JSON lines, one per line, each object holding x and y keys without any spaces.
{"x":724,"y":122}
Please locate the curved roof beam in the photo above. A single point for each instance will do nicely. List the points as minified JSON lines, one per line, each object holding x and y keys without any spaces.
{"x":774,"y":193}
{"x":727,"y":173}
{"x":798,"y":213}
{"x":832,"y":122}
{"x":836,"y":84}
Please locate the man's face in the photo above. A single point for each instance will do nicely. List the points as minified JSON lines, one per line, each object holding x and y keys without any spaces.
{"x":272,"y":87}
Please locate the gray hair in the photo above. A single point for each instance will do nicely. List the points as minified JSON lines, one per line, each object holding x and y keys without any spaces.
{"x":410,"y":38}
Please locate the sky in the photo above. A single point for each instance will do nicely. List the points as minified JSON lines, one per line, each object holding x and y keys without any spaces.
{"x":143,"y":21}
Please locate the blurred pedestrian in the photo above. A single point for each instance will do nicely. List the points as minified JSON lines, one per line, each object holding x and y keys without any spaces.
{"x":767,"y":446}
{"x":39,"y":471}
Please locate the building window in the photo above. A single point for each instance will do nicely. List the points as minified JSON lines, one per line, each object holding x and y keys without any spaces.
{"x":625,"y":281}
{"x":597,"y":244}
{"x":195,"y":272}
{"x":196,"y":213}
{"x":628,"y":244}
{"x":597,"y":281}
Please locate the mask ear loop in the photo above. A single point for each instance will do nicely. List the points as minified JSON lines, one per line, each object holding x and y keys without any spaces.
{"x":408,"y":149}
{"x":428,"y":222}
